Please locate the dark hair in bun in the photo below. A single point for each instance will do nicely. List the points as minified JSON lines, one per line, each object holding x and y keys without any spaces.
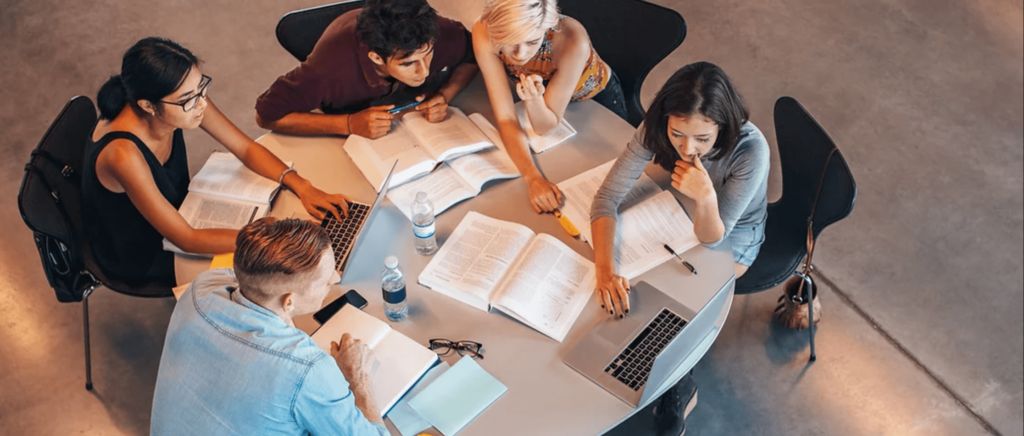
{"x":150,"y":70}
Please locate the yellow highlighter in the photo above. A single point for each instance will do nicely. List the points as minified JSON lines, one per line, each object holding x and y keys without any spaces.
{"x":566,"y":224}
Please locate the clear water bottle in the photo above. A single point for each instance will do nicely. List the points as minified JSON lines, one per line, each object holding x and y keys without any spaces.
{"x":393,"y":287}
{"x":423,"y":225}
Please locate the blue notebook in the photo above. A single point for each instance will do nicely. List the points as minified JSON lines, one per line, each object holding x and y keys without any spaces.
{"x":406,"y":420}
{"x":456,"y":397}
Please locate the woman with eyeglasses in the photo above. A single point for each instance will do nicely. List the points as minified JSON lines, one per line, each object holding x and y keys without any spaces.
{"x":136,"y":171}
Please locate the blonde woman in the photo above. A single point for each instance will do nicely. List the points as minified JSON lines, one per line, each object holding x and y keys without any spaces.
{"x":550,"y":60}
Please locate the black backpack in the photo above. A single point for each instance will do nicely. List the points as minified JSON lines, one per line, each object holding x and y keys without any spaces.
{"x":50,"y":201}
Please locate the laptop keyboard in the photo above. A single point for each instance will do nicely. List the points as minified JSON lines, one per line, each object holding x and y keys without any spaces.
{"x":343,"y":233}
{"x":634,"y":363}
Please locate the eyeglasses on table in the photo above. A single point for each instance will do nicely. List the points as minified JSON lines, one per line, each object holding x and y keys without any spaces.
{"x":465,"y":348}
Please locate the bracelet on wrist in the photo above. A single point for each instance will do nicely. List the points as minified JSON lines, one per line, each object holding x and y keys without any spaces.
{"x":280,"y":180}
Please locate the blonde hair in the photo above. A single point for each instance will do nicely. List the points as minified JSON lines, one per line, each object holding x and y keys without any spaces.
{"x":510,"y":22}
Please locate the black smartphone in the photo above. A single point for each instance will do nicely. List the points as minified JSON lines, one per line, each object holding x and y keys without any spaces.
{"x":351,"y":297}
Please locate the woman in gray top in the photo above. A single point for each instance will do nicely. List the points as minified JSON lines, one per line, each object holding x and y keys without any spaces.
{"x":697,"y":127}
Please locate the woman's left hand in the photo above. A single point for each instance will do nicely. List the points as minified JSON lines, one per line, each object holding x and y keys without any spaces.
{"x":692,"y":180}
{"x":318,"y":203}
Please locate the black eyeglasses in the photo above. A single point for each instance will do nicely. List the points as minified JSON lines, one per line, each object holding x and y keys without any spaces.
{"x":192,"y":101}
{"x":464,"y":348}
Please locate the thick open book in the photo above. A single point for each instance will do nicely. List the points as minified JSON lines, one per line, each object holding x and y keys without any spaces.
{"x":417,"y":144}
{"x":461,"y":178}
{"x":225,"y":194}
{"x":649,"y":218}
{"x":534,"y":278}
{"x":420,"y":146}
{"x":400,"y":361}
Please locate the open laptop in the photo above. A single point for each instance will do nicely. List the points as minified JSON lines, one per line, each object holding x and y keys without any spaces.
{"x":346,"y":234}
{"x":633,"y":357}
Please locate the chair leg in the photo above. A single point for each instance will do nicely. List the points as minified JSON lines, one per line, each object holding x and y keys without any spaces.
{"x":85,"y":328}
{"x":808,"y":287}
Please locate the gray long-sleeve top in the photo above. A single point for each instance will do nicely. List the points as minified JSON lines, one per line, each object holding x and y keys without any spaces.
{"x":740,"y":180}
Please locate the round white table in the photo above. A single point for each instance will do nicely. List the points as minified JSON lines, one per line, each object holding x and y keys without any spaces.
{"x":544,"y":395}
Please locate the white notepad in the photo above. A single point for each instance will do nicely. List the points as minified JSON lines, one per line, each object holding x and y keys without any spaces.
{"x":402,"y":360}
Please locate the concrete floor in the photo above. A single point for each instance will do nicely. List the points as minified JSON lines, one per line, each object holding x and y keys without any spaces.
{"x":923,"y":325}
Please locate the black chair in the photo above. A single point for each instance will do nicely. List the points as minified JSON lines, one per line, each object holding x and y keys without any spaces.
{"x":817,"y":190}
{"x":632,"y":36}
{"x":50,"y":202}
{"x":298,"y":31}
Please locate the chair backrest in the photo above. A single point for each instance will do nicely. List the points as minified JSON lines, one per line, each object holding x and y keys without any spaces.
{"x":815,"y":177}
{"x":50,"y":200}
{"x":632,"y":36}
{"x":298,"y":31}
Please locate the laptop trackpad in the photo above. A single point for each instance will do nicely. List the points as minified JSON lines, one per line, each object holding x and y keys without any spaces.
{"x":619,"y":331}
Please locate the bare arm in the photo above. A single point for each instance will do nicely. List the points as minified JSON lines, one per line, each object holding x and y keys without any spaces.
{"x":122,"y":163}
{"x":544,"y":195}
{"x":571,"y":48}
{"x":261,"y":161}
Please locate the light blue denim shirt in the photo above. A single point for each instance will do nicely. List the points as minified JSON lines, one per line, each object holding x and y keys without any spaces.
{"x":231,"y":367}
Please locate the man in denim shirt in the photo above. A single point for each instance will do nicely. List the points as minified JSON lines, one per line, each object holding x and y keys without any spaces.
{"x":233,"y":361}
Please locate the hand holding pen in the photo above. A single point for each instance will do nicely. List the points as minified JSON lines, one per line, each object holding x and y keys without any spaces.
{"x":688,"y":265}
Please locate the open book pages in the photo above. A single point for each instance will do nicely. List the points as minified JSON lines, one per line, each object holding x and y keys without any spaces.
{"x":540,"y":143}
{"x":224,"y":175}
{"x":400,"y":360}
{"x":460,"y":178}
{"x":225,"y":195}
{"x":417,"y":145}
{"x":534,"y":278}
{"x":649,"y":218}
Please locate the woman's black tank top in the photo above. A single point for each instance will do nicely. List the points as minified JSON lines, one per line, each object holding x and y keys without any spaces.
{"x":125,"y":244}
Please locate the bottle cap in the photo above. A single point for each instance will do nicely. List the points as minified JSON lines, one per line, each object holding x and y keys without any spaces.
{"x":421,"y":197}
{"x":391,"y":262}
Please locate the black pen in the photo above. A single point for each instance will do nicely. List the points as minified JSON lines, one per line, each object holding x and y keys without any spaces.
{"x":685,"y":263}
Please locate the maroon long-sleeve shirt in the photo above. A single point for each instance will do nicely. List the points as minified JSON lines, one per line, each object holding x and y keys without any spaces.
{"x":338,"y":77}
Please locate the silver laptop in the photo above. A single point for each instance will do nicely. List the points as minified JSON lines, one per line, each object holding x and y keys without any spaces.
{"x":633,"y":357}
{"x":346,"y":234}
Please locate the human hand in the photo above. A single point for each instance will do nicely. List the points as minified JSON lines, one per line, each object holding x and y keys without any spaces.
{"x":319,"y":203}
{"x":544,"y":195}
{"x":354,"y":359}
{"x":692,"y":180}
{"x":372,"y":122}
{"x":434,"y":107}
{"x":530,"y":87}
{"x":612,"y":291}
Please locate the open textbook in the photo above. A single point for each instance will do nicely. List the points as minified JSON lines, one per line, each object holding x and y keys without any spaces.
{"x":649,"y":218}
{"x":534,"y":278}
{"x":225,"y":194}
{"x":400,"y":361}
{"x":460,"y":178}
{"x":419,"y":145}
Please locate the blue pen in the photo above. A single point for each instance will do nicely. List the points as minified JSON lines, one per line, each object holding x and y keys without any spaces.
{"x":408,"y":106}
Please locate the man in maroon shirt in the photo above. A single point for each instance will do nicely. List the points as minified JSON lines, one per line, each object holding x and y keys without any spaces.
{"x":388,"y":54}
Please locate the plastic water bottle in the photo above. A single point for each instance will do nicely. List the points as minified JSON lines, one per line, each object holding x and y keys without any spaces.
{"x":393,"y":287}
{"x":423,"y":225}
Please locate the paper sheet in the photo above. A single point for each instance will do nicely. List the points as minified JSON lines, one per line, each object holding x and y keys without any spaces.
{"x":458,"y":396}
{"x":406,"y":420}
